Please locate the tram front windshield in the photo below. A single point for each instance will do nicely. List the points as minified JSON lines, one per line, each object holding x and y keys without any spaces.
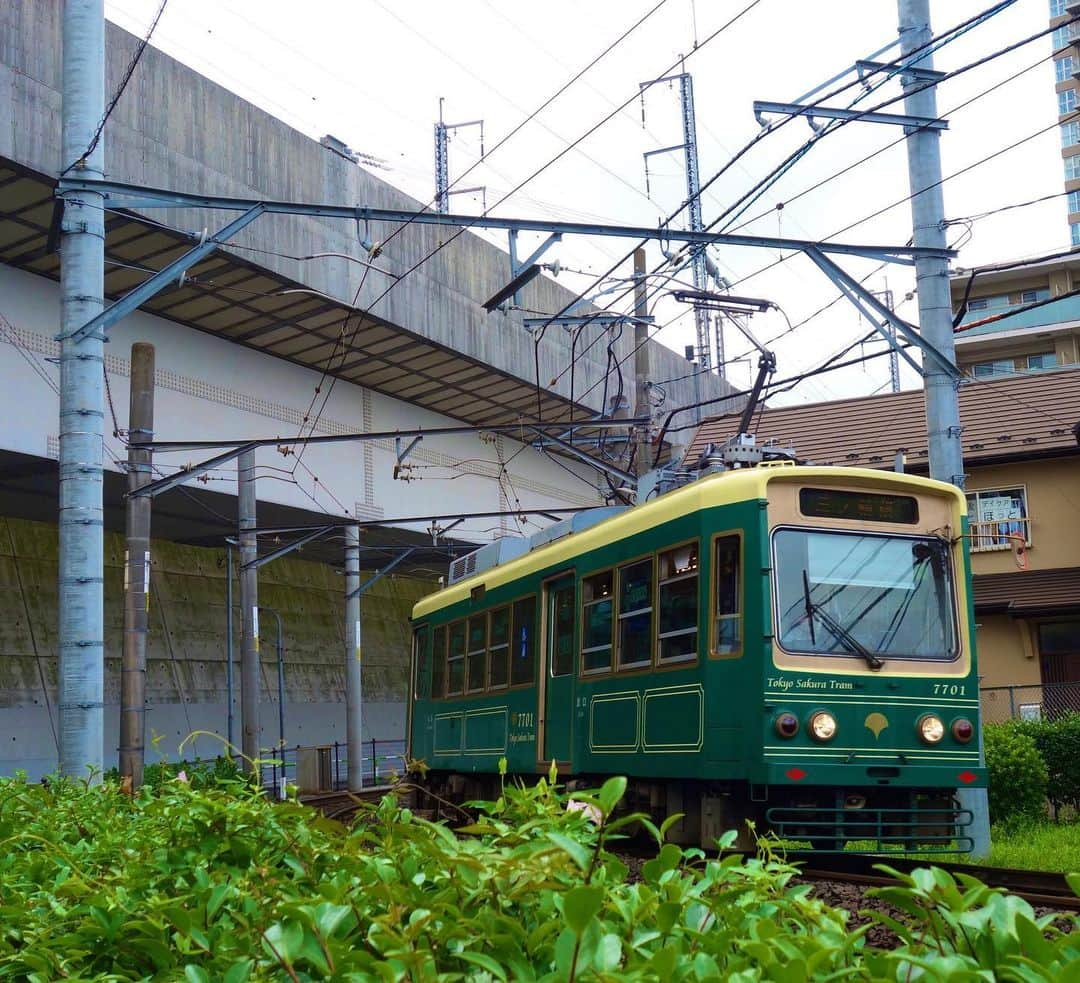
{"x":864,"y":596}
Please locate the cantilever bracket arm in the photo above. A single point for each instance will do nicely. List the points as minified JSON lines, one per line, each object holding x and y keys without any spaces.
{"x":827,"y":112}
{"x":379,"y":574}
{"x":863,"y":299}
{"x":403,"y":452}
{"x":287,"y":548}
{"x":156,"y":283}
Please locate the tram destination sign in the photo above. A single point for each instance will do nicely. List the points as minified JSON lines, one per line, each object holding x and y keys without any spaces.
{"x":831,"y":503}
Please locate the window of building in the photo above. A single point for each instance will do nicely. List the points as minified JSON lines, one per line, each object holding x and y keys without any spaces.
{"x":994,"y":369}
{"x":1066,"y":101}
{"x":476,"y":675}
{"x":1057,"y":8}
{"x":677,"y":600}
{"x":1074,"y":232}
{"x":1029,"y":296}
{"x":597,"y":604}
{"x":1072,"y":167}
{"x":1059,"y":38}
{"x":727,"y":632}
{"x":499,"y":651}
{"x":438,"y":662}
{"x":1063,"y":68}
{"x":455,"y":660}
{"x":1042,"y":361}
{"x":523,"y":647}
{"x":978,"y":304}
{"x":1070,"y":134}
{"x":635,"y":614}
{"x":1073,"y":200}
{"x":997,"y":516}
{"x":422,"y":662}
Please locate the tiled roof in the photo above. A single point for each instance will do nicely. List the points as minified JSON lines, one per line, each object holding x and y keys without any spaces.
{"x":1013,"y":418}
{"x":1031,"y":593}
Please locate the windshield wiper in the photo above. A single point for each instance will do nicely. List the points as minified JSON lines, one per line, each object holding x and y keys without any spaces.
{"x":842,"y":635}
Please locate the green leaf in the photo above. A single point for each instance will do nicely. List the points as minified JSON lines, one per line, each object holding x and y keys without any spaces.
{"x":577,"y":851}
{"x":667,"y":914}
{"x":610,"y":793}
{"x":581,"y":905}
{"x":239,"y":972}
{"x":484,"y":961}
{"x":196,"y":974}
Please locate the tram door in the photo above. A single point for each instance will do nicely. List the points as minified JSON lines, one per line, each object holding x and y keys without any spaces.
{"x":557,"y":671}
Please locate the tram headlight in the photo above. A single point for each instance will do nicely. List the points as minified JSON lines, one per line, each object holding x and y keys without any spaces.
{"x":787,"y":725}
{"x":822,"y":726}
{"x":930,"y":728}
{"x":962,"y":730}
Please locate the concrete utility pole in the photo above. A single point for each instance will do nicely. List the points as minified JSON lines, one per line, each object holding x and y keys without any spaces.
{"x":935,"y":308}
{"x":137,"y":567}
{"x":354,"y":681}
{"x":249,"y":613}
{"x":642,"y":464}
{"x":82,"y":270}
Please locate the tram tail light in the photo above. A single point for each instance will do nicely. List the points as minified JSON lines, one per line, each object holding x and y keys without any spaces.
{"x":787,"y":725}
{"x":962,"y":730}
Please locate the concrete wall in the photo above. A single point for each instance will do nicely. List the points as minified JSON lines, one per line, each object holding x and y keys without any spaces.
{"x":175,"y":129}
{"x":185,"y":680}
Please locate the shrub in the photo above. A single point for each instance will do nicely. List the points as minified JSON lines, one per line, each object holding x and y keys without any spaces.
{"x":1018,"y":774}
{"x":1058,"y":741}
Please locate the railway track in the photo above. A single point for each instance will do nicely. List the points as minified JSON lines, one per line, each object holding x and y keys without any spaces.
{"x":1044,"y":889}
{"x":341,"y":805}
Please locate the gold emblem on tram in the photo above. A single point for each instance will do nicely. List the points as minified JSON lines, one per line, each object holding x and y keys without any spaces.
{"x":876,"y":723}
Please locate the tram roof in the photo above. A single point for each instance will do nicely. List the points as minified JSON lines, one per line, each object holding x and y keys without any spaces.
{"x":725,"y":488}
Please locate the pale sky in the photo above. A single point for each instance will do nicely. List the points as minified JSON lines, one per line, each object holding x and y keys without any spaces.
{"x":372,"y":72}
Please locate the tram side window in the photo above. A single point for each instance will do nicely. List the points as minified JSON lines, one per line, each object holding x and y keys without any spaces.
{"x":499,"y":652}
{"x":561,"y":656}
{"x":523,"y":646}
{"x":477,"y":665}
{"x":727,"y":639}
{"x":635,"y":614}
{"x":598,"y":603}
{"x":678,"y":603}
{"x":422,"y":662}
{"x":438,"y":663}
{"x":455,"y":660}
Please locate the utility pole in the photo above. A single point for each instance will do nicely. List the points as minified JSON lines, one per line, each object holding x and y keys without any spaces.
{"x":442,"y":162}
{"x":82,"y":270}
{"x":137,"y":568}
{"x":354,"y":680}
{"x":642,"y":463}
{"x":249,"y":613}
{"x":935,"y":308}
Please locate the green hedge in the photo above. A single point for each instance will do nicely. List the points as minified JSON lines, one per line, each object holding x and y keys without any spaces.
{"x":1017,"y":773}
{"x":191,"y":884}
{"x":1058,"y":742}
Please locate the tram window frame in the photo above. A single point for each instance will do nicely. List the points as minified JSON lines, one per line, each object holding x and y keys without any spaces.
{"x":498,"y":653}
{"x":560,"y":663}
{"x":474,"y":655}
{"x":422,"y":662}
{"x":739,"y":615}
{"x":691,"y":575}
{"x":438,"y":662}
{"x":623,"y":621}
{"x":529,"y":640}
{"x":588,"y":601}
{"x":456,"y":661}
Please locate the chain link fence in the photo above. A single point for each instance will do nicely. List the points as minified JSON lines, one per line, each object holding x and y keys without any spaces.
{"x":1001,"y":703}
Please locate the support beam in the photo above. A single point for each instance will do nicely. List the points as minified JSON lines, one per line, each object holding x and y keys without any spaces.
{"x":945,"y":362}
{"x":82,"y":278}
{"x":288,"y":548}
{"x":641,"y":364}
{"x":133,"y":196}
{"x":354,"y":681}
{"x":249,"y":614}
{"x":827,"y":112}
{"x":153,"y":285}
{"x":137,"y":573}
{"x":624,"y":476}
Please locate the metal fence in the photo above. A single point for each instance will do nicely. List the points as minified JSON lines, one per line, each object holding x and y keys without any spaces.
{"x":382,"y":760}
{"x":1000,"y":703}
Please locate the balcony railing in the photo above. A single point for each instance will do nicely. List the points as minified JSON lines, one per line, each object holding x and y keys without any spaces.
{"x":1000,"y":534}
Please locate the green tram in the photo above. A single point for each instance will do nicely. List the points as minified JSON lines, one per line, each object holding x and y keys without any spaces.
{"x":787,"y":644}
